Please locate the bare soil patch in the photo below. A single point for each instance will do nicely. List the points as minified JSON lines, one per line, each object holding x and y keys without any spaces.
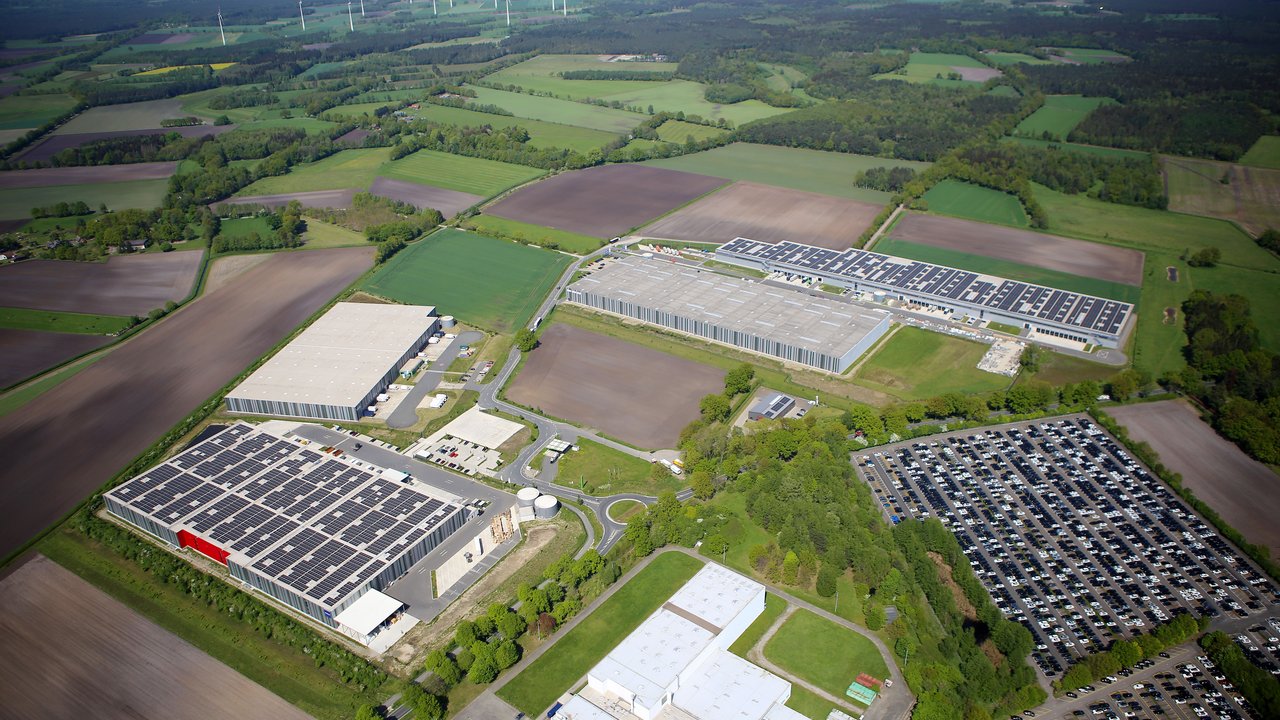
{"x":124,"y":285}
{"x":974,"y":74}
{"x":69,"y":442}
{"x":352,"y":138}
{"x":768,"y":214}
{"x":72,"y":651}
{"x":224,"y":269}
{"x":1170,"y":315}
{"x":24,"y":353}
{"x":634,"y":393}
{"x":54,"y":144}
{"x":1172,"y":272}
{"x":965,"y":607}
{"x":448,"y":202}
{"x":1241,"y":489}
{"x":43,"y":177}
{"x":1078,"y":257}
{"x":604,"y":201}
{"x":313,"y":199}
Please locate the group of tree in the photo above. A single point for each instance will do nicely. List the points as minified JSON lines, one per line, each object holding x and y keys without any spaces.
{"x":62,"y":209}
{"x":1125,"y":653}
{"x":287,"y":227}
{"x":1259,"y":687}
{"x":738,"y":381}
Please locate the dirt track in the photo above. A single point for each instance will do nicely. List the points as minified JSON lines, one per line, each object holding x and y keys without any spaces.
{"x":72,"y":651}
{"x":448,"y":202}
{"x":1078,"y":257}
{"x":768,"y":214}
{"x":24,"y":353}
{"x":604,"y":201}
{"x":43,"y":177}
{"x":1241,"y":489}
{"x":124,"y":285}
{"x":71,"y":440}
{"x":636,"y":394}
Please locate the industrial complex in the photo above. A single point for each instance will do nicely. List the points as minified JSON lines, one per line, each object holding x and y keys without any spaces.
{"x":815,"y":332}
{"x":336,"y":367}
{"x":1073,"y":316}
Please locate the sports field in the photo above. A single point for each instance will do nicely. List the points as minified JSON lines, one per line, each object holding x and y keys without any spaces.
{"x":541,"y":134}
{"x":916,"y":364}
{"x":1265,"y":153}
{"x":577,"y":651}
{"x":935,"y":68}
{"x":536,"y":234}
{"x":815,"y":171}
{"x":29,"y":111}
{"x":493,"y":284}
{"x":16,"y":203}
{"x":542,"y":74}
{"x":346,"y":169}
{"x":688,"y":97}
{"x":826,"y":654}
{"x":678,"y":131}
{"x":455,"y":172}
{"x":974,"y":202}
{"x":565,"y":112}
{"x":1059,"y":115}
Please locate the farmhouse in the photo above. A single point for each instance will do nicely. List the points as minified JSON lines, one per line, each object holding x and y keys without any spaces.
{"x":678,"y":660}
{"x":336,"y":367}
{"x":1082,"y":318}
{"x":781,"y":323}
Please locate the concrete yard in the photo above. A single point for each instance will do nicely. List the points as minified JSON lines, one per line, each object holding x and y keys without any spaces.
{"x":72,"y":651}
{"x":123,"y":285}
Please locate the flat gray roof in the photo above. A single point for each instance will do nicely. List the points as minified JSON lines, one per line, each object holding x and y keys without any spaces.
{"x":341,"y":357}
{"x":785,"y":316}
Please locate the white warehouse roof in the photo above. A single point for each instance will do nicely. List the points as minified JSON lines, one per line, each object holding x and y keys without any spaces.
{"x":726,"y":687}
{"x":367,"y":613}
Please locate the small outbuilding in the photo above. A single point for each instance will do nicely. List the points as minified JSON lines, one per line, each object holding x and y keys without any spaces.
{"x":771,"y":408}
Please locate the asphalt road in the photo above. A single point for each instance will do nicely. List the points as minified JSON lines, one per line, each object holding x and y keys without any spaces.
{"x":406,"y":413}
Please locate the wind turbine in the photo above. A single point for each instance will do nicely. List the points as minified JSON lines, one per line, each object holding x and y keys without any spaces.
{"x":350,"y":20}
{"x":303,"y":16}
{"x":564,"y":5}
{"x":508,"y":13}
{"x":361,"y":8}
{"x":224,"y":32}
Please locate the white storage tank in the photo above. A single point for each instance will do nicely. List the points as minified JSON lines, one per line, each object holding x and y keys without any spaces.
{"x":880,"y":296}
{"x":546,"y":507}
{"x":526,"y":496}
{"x":447,"y":321}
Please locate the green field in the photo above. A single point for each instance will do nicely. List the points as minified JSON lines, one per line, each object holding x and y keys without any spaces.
{"x":809,"y":704}
{"x":360,"y":109}
{"x":774,"y":606}
{"x":1083,"y":149}
{"x":541,"y":134}
{"x":456,"y":172}
{"x":494,"y":284}
{"x":688,"y":97}
{"x":345,"y":169}
{"x":323,"y":235}
{"x":1196,"y":187}
{"x":198,"y":104}
{"x":1009,"y":269}
{"x":238,"y":228}
{"x":1264,"y":153}
{"x":29,"y":111}
{"x":1059,"y":115}
{"x":565,"y":112}
{"x":916,"y":364}
{"x":815,"y":171}
{"x":678,"y":131}
{"x":536,"y":234}
{"x":311,"y":126}
{"x":926,"y":67}
{"x":826,"y":654}
{"x":1013,"y":58}
{"x":541,"y":74}
{"x":577,"y":651}
{"x":974,"y":202}
{"x":1004,"y":91}
{"x":600,"y":470}
{"x":65,"y":322}
{"x":16,"y":203}
{"x":1091,"y":56}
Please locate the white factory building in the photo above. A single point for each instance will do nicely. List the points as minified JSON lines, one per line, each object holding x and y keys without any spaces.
{"x":336,"y":367}
{"x":677,"y":664}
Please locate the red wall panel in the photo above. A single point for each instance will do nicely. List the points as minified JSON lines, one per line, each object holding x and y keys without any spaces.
{"x":204,"y":547}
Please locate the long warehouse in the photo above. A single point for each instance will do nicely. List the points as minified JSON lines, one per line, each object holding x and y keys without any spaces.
{"x":336,"y":367}
{"x":781,"y":323}
{"x":1070,"y":315}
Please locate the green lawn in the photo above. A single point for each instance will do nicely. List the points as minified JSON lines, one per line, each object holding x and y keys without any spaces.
{"x":541,"y":134}
{"x":1013,"y":58}
{"x":623,"y":510}
{"x":1264,"y":153}
{"x":16,"y":203}
{"x":679,"y":131}
{"x":29,"y":111}
{"x":577,"y":651}
{"x":536,"y":234}
{"x":774,"y":606}
{"x":345,"y":169}
{"x":1059,"y":115}
{"x":456,"y":172}
{"x":688,"y":97}
{"x":1009,"y":269}
{"x":323,"y":235}
{"x":824,"y":653}
{"x":600,"y":470}
{"x":490,"y":283}
{"x":542,"y":74}
{"x":916,"y":364}
{"x":1090,"y":56}
{"x":1083,"y":149}
{"x":565,"y":112}
{"x":66,"y":322}
{"x":1058,"y":369}
{"x":974,"y":202}
{"x":815,"y":171}
{"x":925,"y":67}
{"x":808,"y":704}
{"x":357,"y":110}
{"x":311,"y":126}
{"x":238,"y":228}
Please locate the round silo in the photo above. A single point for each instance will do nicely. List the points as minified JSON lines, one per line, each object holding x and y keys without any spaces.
{"x":546,"y":507}
{"x":447,"y":321}
{"x":526,"y":496}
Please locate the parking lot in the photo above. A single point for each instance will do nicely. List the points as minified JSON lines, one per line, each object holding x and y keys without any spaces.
{"x":1069,"y":534}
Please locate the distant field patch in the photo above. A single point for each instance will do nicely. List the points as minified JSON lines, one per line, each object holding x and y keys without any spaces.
{"x":145,"y":194}
{"x":25,"y":353}
{"x":492,"y":283}
{"x":543,"y":74}
{"x":311,"y":126}
{"x":1247,"y":195}
{"x":61,"y":322}
{"x":541,"y":134}
{"x":123,"y":285}
{"x":974,"y":202}
{"x":170,"y":68}
{"x":448,"y":202}
{"x":1265,"y":153}
{"x":679,"y":131}
{"x":29,"y":111}
{"x":565,"y":112}
{"x":536,"y":234}
{"x":314,"y":199}
{"x":916,"y":364}
{"x":51,"y":145}
{"x":945,"y":69}
{"x":346,"y":169}
{"x":1059,"y":115}
{"x":1087,"y":56}
{"x":1097,"y":150}
{"x":689,"y":97}
{"x":456,"y":172}
{"x":126,"y":116}
{"x":1013,"y":58}
{"x":826,"y":654}
{"x":46,"y":177}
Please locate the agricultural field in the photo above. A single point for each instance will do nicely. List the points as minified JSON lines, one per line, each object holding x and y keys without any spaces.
{"x":594,"y":380}
{"x":313,"y":199}
{"x":828,"y":173}
{"x":826,"y":654}
{"x":1074,"y":257}
{"x":1249,"y":196}
{"x":145,"y":194}
{"x":46,"y":177}
{"x":767,"y":214}
{"x":1238,"y":487}
{"x":565,"y":112}
{"x":541,"y":134}
{"x":1087,"y":56}
{"x":312,"y":126}
{"x":358,"y":110}
{"x":1014,"y":58}
{"x":1098,"y":150}
{"x":1265,"y":153}
{"x":123,"y":285}
{"x":490,"y":283}
{"x":974,"y":202}
{"x":1059,"y":115}
{"x":603,"y":201}
{"x":51,"y":145}
{"x":536,"y":234}
{"x":935,"y":68}
{"x":688,"y":97}
{"x":170,"y":68}
{"x":324,"y":235}
{"x":238,"y":228}
{"x":915,"y":364}
{"x":342,"y":170}
{"x":61,"y":322}
{"x":448,"y":202}
{"x":474,"y":176}
{"x":128,"y":116}
{"x":542,"y":74}
{"x":600,"y":470}
{"x":198,"y":104}
{"x":679,"y":131}
{"x":115,"y":659}
{"x":24,"y":353}
{"x":29,"y":111}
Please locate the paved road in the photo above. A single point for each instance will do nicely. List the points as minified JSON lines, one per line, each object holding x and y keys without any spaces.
{"x":406,"y":413}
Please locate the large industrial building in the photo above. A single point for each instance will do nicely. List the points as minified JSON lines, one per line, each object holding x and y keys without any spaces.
{"x":317,"y":532}
{"x":1073,"y":316}
{"x":678,"y":660}
{"x":336,"y":367}
{"x":777,"y":322}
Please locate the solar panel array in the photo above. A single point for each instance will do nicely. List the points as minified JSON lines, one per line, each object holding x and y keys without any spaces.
{"x":1036,"y":302}
{"x":316,"y":524}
